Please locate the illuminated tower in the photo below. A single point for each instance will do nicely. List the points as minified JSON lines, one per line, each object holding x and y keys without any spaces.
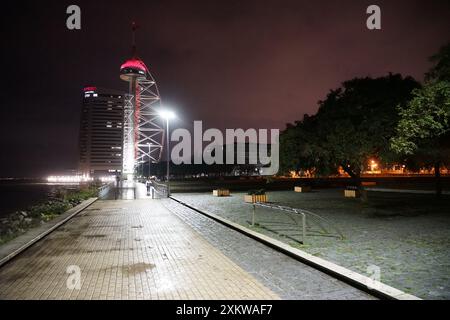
{"x":143,"y":127}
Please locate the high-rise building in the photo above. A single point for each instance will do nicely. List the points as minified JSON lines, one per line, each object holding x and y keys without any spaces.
{"x":101,"y":132}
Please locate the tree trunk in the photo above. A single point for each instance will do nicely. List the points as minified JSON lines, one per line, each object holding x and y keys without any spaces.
{"x":437,"y":175}
{"x":356,"y":177}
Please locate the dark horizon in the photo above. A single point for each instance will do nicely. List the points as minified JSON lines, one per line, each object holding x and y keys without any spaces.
{"x":231,"y":64}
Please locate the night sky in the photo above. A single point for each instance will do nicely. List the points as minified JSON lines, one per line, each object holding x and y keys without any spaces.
{"x":249,"y":64}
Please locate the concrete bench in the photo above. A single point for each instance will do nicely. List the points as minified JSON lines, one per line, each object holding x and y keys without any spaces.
{"x":303,"y":189}
{"x":221,"y":193}
{"x":252,"y":198}
{"x":351,"y":193}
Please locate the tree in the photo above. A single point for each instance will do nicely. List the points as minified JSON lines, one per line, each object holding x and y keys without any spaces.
{"x":295,"y":145}
{"x":440,"y":71}
{"x":354,"y":124}
{"x":423,"y":131}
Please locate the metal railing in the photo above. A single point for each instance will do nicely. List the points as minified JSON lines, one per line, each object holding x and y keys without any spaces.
{"x":292,"y":212}
{"x":158,"y":190}
{"x":105,"y":189}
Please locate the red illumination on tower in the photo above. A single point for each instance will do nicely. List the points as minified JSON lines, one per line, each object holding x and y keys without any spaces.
{"x":134,"y":64}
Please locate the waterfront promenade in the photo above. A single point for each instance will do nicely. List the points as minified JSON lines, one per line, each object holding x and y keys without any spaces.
{"x":157,"y":249}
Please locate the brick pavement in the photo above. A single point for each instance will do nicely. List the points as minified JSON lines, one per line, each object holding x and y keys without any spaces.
{"x":158,"y":249}
{"x":127,"y":250}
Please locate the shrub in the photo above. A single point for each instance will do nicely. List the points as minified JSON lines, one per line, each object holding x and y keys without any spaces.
{"x":258,"y":192}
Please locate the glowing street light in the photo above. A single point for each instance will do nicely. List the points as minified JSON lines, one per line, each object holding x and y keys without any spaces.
{"x":167,"y":115}
{"x":373,"y":165}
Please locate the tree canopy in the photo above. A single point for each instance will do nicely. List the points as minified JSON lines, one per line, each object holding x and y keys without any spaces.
{"x":391,"y":118}
{"x":354,"y":123}
{"x":440,"y":71}
{"x":424,"y":120}
{"x":423,"y":131}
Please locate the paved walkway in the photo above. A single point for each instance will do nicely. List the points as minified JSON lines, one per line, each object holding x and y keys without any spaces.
{"x":287,"y":277}
{"x":406,"y":236}
{"x":139,"y":249}
{"x":127,"y":250}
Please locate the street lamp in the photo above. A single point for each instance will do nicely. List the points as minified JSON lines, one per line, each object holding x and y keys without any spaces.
{"x":167,"y":115}
{"x":373,"y":165}
{"x":149,"y":159}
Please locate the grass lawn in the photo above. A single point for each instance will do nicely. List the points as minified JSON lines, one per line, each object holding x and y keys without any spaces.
{"x":406,"y":235}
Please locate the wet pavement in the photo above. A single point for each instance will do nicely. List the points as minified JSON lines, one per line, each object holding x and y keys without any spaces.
{"x":157,"y":249}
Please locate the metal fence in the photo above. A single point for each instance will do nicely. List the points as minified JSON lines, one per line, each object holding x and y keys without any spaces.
{"x":299,"y":221}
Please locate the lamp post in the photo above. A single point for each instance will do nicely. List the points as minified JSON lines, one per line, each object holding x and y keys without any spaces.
{"x":167,"y":115}
{"x":149,"y":159}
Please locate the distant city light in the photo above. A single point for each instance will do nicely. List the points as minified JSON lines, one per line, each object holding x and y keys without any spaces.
{"x":86,"y":89}
{"x":108,"y":178}
{"x":373,"y":165}
{"x":78,"y":179}
{"x":69,"y":179}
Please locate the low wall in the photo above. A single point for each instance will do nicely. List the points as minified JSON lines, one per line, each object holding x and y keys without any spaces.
{"x":245,"y":184}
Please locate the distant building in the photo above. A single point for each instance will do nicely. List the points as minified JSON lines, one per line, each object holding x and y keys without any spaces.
{"x":250,"y":161}
{"x":101,"y":132}
{"x":250,"y":151}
